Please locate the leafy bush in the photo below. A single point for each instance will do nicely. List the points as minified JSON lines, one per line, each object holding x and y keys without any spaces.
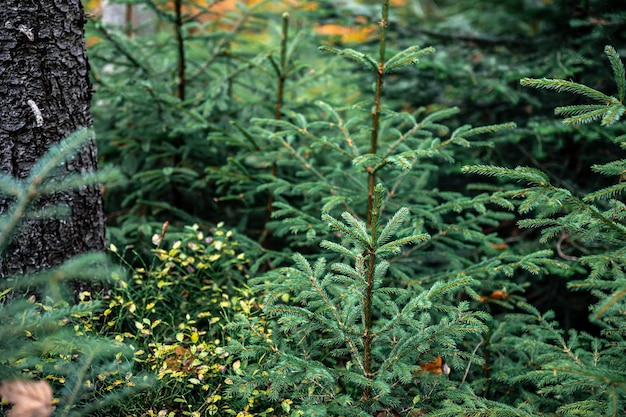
{"x":172,"y":312}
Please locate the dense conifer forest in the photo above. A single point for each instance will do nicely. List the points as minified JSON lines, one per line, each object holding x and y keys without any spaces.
{"x":335,"y":208}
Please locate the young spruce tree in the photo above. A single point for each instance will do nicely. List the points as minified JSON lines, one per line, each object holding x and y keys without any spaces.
{"x":552,"y":371}
{"x":374,"y":323}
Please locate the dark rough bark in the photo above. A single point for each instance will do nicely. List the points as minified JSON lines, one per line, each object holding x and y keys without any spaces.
{"x":43,"y":61}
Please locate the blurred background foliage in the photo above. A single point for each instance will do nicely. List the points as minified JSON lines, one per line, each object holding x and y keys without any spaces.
{"x":191,"y":154}
{"x":168,"y":138}
{"x":183,"y":94}
{"x":201,"y":104}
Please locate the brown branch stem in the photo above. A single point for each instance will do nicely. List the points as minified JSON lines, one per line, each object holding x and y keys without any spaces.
{"x":376,"y":111}
{"x":281,"y":73}
{"x":180,"y":45}
{"x":372,"y":206}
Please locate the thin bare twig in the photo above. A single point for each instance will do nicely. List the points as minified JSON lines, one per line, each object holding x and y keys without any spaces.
{"x":564,"y":236}
{"x":469,"y":364}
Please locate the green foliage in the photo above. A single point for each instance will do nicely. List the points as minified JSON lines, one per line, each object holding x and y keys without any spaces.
{"x":610,"y":109}
{"x":402,"y":278}
{"x":576,"y":373}
{"x":171,"y":107}
{"x":172,"y":311}
{"x":355,"y":337}
{"x":483,"y":50}
{"x":42,"y":181}
{"x":342,"y":339}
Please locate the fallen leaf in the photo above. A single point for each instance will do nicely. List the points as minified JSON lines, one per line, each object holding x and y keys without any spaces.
{"x":495,"y":295}
{"x":499,"y":246}
{"x":29,"y":398}
{"x":436,"y":366}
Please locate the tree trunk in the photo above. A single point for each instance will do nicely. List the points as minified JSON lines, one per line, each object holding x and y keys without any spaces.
{"x":45,"y":95}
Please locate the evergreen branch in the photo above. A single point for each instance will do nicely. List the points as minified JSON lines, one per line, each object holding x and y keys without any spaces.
{"x":617,"y":167}
{"x":121,"y":46}
{"x":597,"y":284}
{"x":613,"y":115}
{"x":354,"y":55}
{"x":392,"y":225}
{"x":330,"y":306}
{"x":467,"y":131}
{"x":591,"y":407}
{"x":370,"y":159}
{"x":10,"y":186}
{"x":332,"y":188}
{"x":618,"y":71}
{"x":348,"y":410}
{"x":620,"y":140}
{"x":587,"y":117}
{"x":429,"y":122}
{"x":358,"y":233}
{"x":291,"y":314}
{"x":394,"y":247}
{"x":570,"y":87}
{"x":335,"y":247}
{"x":55,"y":155}
{"x":346,"y":270}
{"x":432,"y":334}
{"x":331,"y":202}
{"x":595,"y":213}
{"x":246,"y":134}
{"x":530,"y":175}
{"x":75,"y":181}
{"x":610,"y":114}
{"x":409,"y":56}
{"x":72,"y":397}
{"x":534,"y":197}
{"x":440,"y":289}
{"x":380,"y":271}
{"x":59,"y":153}
{"x":578,"y":109}
{"x":304,"y":265}
{"x":609,"y":302}
{"x":599,"y":265}
{"x":440,"y":115}
{"x":354,"y":152}
{"x":492,"y":409}
{"x":145,"y":383}
{"x":277,"y":123}
{"x":88,"y":265}
{"x":477,"y":203}
{"x":605,"y":193}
